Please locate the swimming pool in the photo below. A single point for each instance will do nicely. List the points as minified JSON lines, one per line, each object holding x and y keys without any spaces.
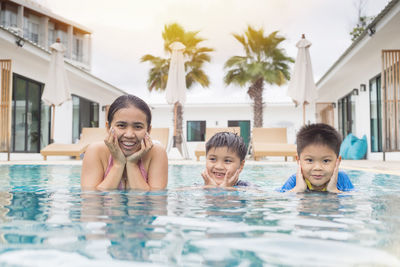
{"x":45,"y":220}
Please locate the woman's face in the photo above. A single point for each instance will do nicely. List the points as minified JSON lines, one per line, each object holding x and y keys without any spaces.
{"x":130,"y":126}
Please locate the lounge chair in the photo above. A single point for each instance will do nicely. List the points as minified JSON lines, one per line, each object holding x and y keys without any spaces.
{"x":271,"y":142}
{"x":88,"y":136}
{"x":161,"y":135}
{"x":201,"y":147}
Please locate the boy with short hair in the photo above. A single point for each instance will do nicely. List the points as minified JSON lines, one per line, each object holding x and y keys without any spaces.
{"x":318,"y":160}
{"x":225,"y":158}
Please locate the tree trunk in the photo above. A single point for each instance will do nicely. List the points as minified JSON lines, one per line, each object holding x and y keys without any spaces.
{"x":178,"y":130}
{"x":256,"y":93}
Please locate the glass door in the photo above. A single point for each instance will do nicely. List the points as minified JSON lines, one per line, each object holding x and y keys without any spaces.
{"x":375,"y":114}
{"x":28,"y":133}
{"x":85,"y":115}
{"x":346,"y":114}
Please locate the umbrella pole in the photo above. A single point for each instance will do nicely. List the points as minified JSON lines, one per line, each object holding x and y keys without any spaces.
{"x":53,"y":107}
{"x":304,"y":113}
{"x":175,"y":117}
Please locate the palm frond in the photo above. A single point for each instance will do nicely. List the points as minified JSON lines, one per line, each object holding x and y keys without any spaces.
{"x":235,"y":61}
{"x":196,"y":55}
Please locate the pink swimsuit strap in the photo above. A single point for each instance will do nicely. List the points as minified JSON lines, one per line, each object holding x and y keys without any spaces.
{"x":141,"y":168}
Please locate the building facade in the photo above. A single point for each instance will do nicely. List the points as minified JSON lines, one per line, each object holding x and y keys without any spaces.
{"x":26,"y":32}
{"x":363,"y":86}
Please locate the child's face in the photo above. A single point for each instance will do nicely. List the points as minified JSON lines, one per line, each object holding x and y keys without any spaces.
{"x":221,"y":160}
{"x":318,"y":163}
{"x":130,"y":126}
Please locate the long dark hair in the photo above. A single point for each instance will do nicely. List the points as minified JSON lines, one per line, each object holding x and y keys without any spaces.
{"x":126,"y":101}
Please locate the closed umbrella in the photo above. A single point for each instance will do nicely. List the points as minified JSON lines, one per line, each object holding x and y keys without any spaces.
{"x":302,"y":88}
{"x":176,"y":84}
{"x":56,"y":90}
{"x":176,"y":91}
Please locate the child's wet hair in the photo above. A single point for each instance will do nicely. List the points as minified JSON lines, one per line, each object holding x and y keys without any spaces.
{"x":318,"y":134}
{"x":126,"y":101}
{"x":230,"y":140}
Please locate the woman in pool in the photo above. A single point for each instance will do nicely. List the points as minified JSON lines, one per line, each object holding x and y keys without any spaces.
{"x":127,"y":159}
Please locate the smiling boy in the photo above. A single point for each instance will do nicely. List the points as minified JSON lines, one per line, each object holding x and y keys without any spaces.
{"x":225,"y":158}
{"x":318,"y":160}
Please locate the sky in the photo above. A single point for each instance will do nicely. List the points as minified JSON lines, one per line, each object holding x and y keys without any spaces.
{"x":125,"y":30}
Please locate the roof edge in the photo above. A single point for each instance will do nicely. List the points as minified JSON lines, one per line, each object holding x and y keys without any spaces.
{"x":49,"y":13}
{"x":65,"y":60}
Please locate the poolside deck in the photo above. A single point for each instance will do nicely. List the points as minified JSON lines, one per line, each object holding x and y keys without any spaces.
{"x":386,"y":167}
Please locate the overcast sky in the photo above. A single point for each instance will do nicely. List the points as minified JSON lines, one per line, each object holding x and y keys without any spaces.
{"x":125,"y":30}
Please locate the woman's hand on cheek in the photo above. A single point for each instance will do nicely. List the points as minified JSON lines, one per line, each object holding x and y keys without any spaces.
{"x":112,"y":143}
{"x":145,"y":145}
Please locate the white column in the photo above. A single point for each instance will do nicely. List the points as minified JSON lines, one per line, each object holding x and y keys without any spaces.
{"x":20,"y":20}
{"x":44,"y":32}
{"x":70,"y":37}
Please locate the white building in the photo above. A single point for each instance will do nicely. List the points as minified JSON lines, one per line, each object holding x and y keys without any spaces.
{"x":354,"y":85}
{"x":199,"y":114}
{"x":26,"y":32}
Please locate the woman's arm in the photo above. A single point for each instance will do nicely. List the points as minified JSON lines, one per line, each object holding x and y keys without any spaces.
{"x":157,"y":170}
{"x":93,"y":170}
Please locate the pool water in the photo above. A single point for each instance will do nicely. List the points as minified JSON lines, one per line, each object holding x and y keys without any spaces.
{"x":46,"y":220}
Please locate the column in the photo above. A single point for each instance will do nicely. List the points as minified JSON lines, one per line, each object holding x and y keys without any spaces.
{"x":20,"y":20}
{"x":70,"y":38}
{"x":44,"y":32}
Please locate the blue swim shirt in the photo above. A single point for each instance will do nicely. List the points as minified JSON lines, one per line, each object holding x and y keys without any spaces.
{"x":343,"y":183}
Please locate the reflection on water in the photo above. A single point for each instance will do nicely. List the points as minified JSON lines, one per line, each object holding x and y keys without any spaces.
{"x":124,"y":220}
{"x":43,"y":209}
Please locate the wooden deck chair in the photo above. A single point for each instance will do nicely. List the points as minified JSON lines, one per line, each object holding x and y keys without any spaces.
{"x":161,"y":135}
{"x":271,"y":142}
{"x":88,"y":136}
{"x":201,"y":147}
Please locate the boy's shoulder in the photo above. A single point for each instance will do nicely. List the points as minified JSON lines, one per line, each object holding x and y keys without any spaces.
{"x":342,"y":175}
{"x":344,"y":183}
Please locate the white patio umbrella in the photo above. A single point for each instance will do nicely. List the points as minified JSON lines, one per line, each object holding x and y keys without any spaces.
{"x":56,"y":90}
{"x":176,"y":84}
{"x":302,"y":88}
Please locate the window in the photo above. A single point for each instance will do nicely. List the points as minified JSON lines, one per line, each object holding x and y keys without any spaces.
{"x":85,"y":114}
{"x":346,"y":115}
{"x":63,"y":37}
{"x":8,"y":15}
{"x":77,"y":49}
{"x":51,"y":34}
{"x":196,"y":131}
{"x":375,"y":115}
{"x":31,"y":30}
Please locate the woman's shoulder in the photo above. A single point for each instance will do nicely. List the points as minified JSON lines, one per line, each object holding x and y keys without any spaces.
{"x":157,"y":152}
{"x":98,"y":149}
{"x":158,"y":148}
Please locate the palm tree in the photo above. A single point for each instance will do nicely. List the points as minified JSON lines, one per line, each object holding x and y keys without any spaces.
{"x":195,"y":56}
{"x":264,"y":62}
